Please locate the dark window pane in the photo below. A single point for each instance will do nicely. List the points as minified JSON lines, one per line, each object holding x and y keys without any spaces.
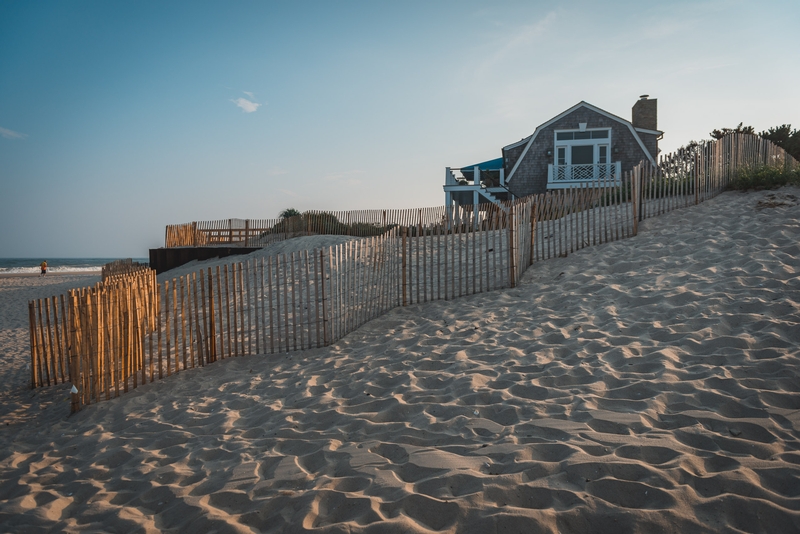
{"x":563,"y":136}
{"x":583,"y":135}
{"x":562,"y":156}
{"x":600,"y":134}
{"x":582,"y":155}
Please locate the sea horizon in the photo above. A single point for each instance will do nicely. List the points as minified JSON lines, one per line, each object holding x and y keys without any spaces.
{"x":57,"y":265}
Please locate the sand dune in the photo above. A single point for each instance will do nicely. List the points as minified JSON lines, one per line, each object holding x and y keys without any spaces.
{"x":281,"y":247}
{"x":646,"y":385}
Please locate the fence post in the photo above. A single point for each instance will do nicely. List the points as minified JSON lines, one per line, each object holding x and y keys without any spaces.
{"x":212,"y":324}
{"x":34,"y":345}
{"x":534,"y":213}
{"x":73,"y":348}
{"x":44,"y":363}
{"x":636,"y":200}
{"x":75,"y":402}
{"x":403,"y":233}
{"x":324,"y":299}
{"x":512,"y":280}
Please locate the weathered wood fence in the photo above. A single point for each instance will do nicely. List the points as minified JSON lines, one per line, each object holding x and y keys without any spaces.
{"x":68,"y":332}
{"x":358,"y":223}
{"x":599,"y":212}
{"x":130,"y":330}
{"x":117,"y":267}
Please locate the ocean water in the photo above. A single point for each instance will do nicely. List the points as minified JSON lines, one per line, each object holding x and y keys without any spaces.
{"x":56,"y":265}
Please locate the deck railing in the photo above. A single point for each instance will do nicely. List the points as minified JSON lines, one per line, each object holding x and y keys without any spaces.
{"x":564,"y":176}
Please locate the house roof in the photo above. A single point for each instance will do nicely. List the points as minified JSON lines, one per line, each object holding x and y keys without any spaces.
{"x":528,"y":141}
{"x":492,"y":164}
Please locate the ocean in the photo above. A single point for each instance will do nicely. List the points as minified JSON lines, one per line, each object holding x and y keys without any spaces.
{"x":56,"y":265}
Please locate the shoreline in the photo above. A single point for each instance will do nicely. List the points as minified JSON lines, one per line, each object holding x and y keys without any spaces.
{"x":55,"y":273}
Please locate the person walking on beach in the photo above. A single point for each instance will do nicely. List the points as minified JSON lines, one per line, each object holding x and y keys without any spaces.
{"x":44,"y":268}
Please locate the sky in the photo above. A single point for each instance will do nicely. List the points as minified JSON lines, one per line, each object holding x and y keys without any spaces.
{"x":119,"y":118}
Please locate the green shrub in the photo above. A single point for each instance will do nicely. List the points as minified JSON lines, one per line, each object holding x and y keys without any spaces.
{"x":323,"y":222}
{"x":764,"y":178}
{"x":288,"y":213}
{"x":367,"y":229}
{"x":291,"y":224}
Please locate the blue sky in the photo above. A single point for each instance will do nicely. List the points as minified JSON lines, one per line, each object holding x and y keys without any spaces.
{"x":118,"y":118}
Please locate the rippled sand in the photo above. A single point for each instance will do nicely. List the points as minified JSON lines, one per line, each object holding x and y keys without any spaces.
{"x":646,"y":385}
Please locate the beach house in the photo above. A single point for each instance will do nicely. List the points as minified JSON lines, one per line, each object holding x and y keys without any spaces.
{"x":581,"y":145}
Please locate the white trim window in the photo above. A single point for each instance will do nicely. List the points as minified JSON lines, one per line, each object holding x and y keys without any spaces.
{"x":581,"y":155}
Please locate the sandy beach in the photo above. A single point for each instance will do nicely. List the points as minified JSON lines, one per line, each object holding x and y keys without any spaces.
{"x":646,"y":385}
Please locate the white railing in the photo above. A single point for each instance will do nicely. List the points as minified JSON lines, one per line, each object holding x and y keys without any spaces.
{"x":561,"y":176}
{"x":450,"y":177}
{"x":457,"y":177}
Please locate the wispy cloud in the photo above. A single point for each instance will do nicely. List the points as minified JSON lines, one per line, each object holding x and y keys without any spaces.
{"x":11,"y":134}
{"x":249,"y":104}
{"x":246,"y":105}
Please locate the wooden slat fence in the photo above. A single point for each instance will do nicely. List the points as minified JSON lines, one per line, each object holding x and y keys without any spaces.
{"x":72,"y":335}
{"x":121,"y":267}
{"x":600,"y":212}
{"x":262,"y":232}
{"x":590,"y":214}
{"x":693,"y":175}
{"x":129,"y":330}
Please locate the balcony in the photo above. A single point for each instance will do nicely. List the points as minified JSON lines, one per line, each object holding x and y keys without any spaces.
{"x":564,"y":176}
{"x":476,"y":184}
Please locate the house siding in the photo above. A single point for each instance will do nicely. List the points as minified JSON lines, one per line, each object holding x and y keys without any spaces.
{"x":651,"y":143}
{"x":510,"y":158}
{"x":531,"y":175}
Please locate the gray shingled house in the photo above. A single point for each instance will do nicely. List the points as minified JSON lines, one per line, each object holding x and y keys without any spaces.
{"x":581,"y":145}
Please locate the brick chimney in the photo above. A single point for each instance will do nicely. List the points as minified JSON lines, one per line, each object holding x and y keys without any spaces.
{"x":645,"y":113}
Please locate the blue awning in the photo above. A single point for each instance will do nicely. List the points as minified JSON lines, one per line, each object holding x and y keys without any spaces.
{"x":491,"y":165}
